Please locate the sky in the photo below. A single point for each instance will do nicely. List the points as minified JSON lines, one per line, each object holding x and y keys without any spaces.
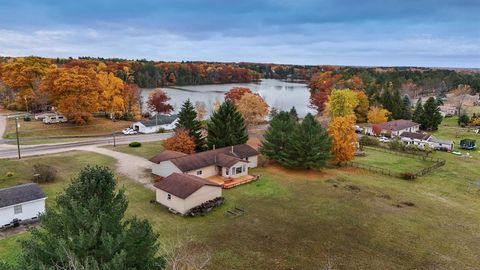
{"x":433,"y":33}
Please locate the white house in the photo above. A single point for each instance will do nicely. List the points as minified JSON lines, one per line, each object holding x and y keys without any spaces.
{"x":446,"y":110}
{"x":421,"y":139}
{"x":395,"y":127}
{"x":156,"y":123}
{"x":22,"y":202}
{"x":182,"y":192}
{"x":438,"y":144}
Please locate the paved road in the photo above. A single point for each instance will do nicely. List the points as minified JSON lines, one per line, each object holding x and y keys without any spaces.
{"x":10,"y":151}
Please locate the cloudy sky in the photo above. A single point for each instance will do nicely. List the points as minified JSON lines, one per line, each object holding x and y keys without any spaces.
{"x":440,"y":33}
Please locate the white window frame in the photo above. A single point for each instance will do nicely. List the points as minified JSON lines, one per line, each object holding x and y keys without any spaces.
{"x":17,"y":209}
{"x":241,"y":170}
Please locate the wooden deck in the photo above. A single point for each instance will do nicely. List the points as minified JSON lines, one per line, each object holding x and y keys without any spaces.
{"x":232,"y":182}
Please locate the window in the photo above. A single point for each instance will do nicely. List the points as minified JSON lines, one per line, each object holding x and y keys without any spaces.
{"x":17,"y":209}
{"x":246,"y":158}
{"x":169,"y":197}
{"x":199,"y":172}
{"x":238,"y":170}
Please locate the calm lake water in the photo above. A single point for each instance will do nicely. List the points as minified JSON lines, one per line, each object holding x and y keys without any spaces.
{"x":279,"y":94}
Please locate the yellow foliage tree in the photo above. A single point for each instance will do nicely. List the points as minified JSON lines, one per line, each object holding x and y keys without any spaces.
{"x":344,"y":139}
{"x":341,"y":102}
{"x":253,"y":108}
{"x":74,"y":91}
{"x":112,"y":100}
{"x":362,"y":108}
{"x":377,"y":115}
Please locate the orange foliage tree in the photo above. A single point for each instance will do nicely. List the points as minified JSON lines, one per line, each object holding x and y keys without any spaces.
{"x":236,"y":93}
{"x":377,"y":115}
{"x":362,"y":108}
{"x":131,"y":94}
{"x":321,"y":84}
{"x":112,"y":100}
{"x":376,"y":129}
{"x":344,"y":139}
{"x":180,"y":142}
{"x":253,"y":108}
{"x":74,"y":91}
{"x":158,"y":101}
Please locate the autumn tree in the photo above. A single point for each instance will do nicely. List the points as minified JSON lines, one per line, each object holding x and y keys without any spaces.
{"x":24,"y":76}
{"x":112,"y":99}
{"x":75,"y":92}
{"x":236,"y":93}
{"x":341,"y":102}
{"x":226,"y":127}
{"x":201,"y":109}
{"x":158,"y":101}
{"x":131,"y":94}
{"x":362,"y":107}
{"x":187,"y":121}
{"x":377,"y":115}
{"x":377,"y":129}
{"x":180,"y":142}
{"x":321,"y":84}
{"x":253,"y":108}
{"x":342,"y":132}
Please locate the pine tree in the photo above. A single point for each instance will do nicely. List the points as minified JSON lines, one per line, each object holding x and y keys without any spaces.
{"x":293,"y":113}
{"x":277,"y":136}
{"x":187,"y":120}
{"x":87,"y":224}
{"x":226,"y":127}
{"x":397,"y":108}
{"x":418,"y":113}
{"x":406,"y":108}
{"x":431,"y":115}
{"x":308,"y":147}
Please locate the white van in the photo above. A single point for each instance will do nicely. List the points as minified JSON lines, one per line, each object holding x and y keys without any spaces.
{"x":54,"y":119}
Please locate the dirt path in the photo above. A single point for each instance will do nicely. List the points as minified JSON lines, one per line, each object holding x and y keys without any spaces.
{"x":130,"y":166}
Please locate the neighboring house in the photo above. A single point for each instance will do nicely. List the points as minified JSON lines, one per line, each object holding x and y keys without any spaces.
{"x":22,"y":202}
{"x":182,"y":192}
{"x":442,"y":144}
{"x":446,"y":110}
{"x":220,"y":165}
{"x":395,"y":127}
{"x":156,"y":123}
{"x":414,"y":138}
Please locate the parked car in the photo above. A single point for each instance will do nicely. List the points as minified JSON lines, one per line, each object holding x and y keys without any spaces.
{"x":384,"y":139}
{"x":54,"y":119}
{"x":129,"y":131}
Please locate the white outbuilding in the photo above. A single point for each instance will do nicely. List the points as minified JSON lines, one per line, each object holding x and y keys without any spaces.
{"x":20,"y":203}
{"x":155,"y":124}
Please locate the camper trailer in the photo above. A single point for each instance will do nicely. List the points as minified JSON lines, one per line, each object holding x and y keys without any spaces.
{"x":53,"y":119}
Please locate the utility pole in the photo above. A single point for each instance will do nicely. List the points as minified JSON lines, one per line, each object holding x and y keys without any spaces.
{"x":114,"y":145}
{"x":18,"y":139}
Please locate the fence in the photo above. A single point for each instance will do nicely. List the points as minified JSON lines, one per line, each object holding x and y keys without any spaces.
{"x":437,"y":163}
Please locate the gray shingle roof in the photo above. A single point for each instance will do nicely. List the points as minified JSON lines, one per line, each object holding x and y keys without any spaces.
{"x":161,"y":120}
{"x":415,"y":135}
{"x":20,"y":194}
{"x":183,"y":185}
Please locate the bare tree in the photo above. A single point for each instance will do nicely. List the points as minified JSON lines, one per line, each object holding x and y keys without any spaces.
{"x":201,"y":109}
{"x":459,"y":95}
{"x":185,"y":253}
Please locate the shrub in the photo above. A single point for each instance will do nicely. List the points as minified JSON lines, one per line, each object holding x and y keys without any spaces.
{"x":161,"y":130}
{"x":262,"y":161}
{"x":134,"y":144}
{"x":396,"y":145}
{"x":9,"y":174}
{"x":43,"y":173}
{"x":369,"y":141}
{"x":409,"y":176}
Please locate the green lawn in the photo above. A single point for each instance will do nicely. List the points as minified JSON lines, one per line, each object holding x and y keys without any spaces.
{"x":450,"y":130}
{"x":147,"y":150}
{"x":394,"y":162}
{"x":36,"y":128}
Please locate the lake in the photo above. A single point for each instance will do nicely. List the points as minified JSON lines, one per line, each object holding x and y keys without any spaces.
{"x":279,"y":94}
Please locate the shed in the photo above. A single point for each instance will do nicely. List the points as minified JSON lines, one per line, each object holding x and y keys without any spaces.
{"x":182,"y":192}
{"x":156,"y":123}
{"x":22,"y":202}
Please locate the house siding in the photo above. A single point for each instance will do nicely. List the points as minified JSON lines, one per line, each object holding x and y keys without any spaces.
{"x":206,"y":171}
{"x":165,"y":168}
{"x":231,"y":169}
{"x":180,"y":205}
{"x":29,"y":210}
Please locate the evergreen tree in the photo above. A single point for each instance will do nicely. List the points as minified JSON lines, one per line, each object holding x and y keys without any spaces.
{"x":277,"y":136}
{"x":308,"y":147}
{"x":431,"y":115}
{"x":406,"y":108}
{"x":293,"y":113}
{"x":397,"y":108}
{"x":463,"y":120}
{"x":418,"y":113}
{"x":226,"y":127}
{"x":87,"y":225}
{"x":187,"y":120}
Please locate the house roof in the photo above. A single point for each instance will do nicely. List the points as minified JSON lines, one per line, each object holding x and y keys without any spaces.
{"x":397,"y":125}
{"x":183,"y":185}
{"x":166,"y":155}
{"x":415,"y":135}
{"x":213,"y":157}
{"x":162,"y":119}
{"x":435,"y":140}
{"x":20,"y":194}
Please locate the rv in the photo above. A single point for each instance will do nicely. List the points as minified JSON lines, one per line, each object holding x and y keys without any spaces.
{"x":52,"y":119}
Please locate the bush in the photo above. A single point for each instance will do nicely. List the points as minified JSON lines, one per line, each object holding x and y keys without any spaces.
{"x":43,"y":173}
{"x":134,"y":144}
{"x":262,"y":161}
{"x":409,"y":176}
{"x":369,"y":141}
{"x":396,"y":145}
{"x":161,"y":130}
{"x":9,"y":174}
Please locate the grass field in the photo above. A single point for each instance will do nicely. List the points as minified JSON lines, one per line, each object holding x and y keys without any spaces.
{"x":391,"y":161}
{"x":450,"y":130}
{"x":301,"y":219}
{"x":147,"y":150}
{"x":36,"y":128}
